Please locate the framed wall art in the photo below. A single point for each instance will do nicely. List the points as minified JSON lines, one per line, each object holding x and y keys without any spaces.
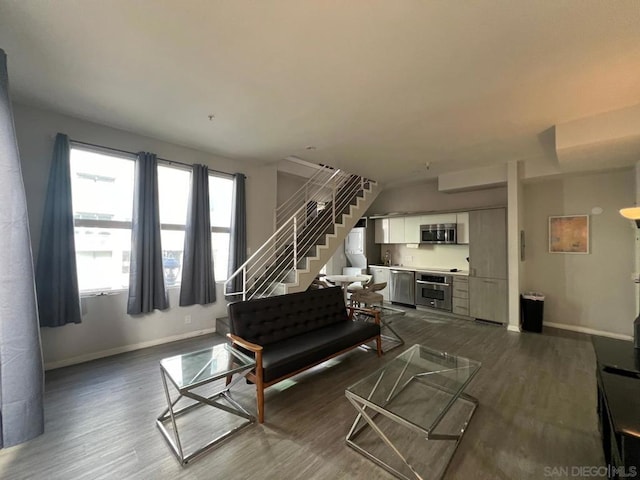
{"x":569,"y":234}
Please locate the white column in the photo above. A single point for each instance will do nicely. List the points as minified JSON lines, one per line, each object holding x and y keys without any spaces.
{"x":514,"y":225}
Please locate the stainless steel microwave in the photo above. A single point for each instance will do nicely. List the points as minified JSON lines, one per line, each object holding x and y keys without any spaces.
{"x":439,"y":233}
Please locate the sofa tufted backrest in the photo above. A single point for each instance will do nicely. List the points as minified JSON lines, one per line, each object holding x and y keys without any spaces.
{"x":272,"y":319}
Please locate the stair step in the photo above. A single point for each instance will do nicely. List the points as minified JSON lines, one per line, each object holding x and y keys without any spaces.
{"x":222,"y":326}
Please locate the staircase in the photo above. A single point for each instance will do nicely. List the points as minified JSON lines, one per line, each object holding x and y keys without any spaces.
{"x":309,"y":228}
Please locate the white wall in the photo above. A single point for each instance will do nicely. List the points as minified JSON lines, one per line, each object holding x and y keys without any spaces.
{"x":591,"y":292}
{"x":288,"y":184}
{"x":106,"y":328}
{"x":262,"y":184}
{"x":425,"y":197}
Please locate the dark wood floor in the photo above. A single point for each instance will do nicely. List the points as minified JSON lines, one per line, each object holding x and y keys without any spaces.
{"x":537,"y":412}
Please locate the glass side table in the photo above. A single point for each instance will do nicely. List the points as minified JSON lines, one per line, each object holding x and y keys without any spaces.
{"x":401,"y":405}
{"x":192,"y":370}
{"x":390,"y":338}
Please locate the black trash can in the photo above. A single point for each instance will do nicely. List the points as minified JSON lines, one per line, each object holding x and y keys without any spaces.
{"x":531,"y":310}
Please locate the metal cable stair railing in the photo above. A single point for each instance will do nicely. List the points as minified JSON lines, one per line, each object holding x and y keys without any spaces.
{"x":311,"y":214}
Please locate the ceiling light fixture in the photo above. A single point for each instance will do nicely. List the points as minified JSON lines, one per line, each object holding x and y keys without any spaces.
{"x":632,"y":213}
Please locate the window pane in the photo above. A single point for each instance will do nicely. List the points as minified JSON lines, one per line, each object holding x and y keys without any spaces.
{"x":172,"y":249}
{"x":102,"y":186}
{"x":220,"y":246}
{"x":220,"y":191}
{"x":102,"y":190}
{"x":173,"y":193}
{"x":102,"y":256}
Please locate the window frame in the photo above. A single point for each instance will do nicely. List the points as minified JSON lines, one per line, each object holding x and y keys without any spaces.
{"x":95,"y":223}
{"x":128,"y":225}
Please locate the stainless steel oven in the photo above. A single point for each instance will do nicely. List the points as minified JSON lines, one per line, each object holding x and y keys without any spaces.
{"x":434,"y":290}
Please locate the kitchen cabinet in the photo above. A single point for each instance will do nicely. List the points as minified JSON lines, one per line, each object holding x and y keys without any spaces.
{"x":488,"y":265}
{"x":488,"y":299}
{"x":407,"y":229}
{"x":438,"y":218}
{"x":396,"y":230}
{"x":460,"y":295}
{"x":389,"y":230}
{"x":380,"y":275}
{"x":381,"y":233}
{"x":412,"y":229}
{"x":462,"y":220}
{"x":488,"y":243}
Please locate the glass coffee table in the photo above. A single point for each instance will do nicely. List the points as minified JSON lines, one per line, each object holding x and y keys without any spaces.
{"x":192,"y":371}
{"x":413,"y":411}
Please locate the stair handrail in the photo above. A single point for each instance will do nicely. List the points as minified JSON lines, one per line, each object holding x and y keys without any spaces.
{"x":303,"y":195}
{"x":306,"y":239}
{"x":269,"y":275}
{"x":339,"y":202}
{"x":268,"y":243}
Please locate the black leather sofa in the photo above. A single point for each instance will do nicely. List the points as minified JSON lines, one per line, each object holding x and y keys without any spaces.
{"x":288,"y":334}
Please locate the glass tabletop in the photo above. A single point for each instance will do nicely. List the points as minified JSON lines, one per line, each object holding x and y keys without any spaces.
{"x":197,"y":368}
{"x":385,"y":312}
{"x":418,"y":386}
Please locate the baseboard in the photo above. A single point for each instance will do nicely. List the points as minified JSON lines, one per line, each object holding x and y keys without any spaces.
{"x":513,"y":328}
{"x":590,"y":331}
{"x":126,"y":348}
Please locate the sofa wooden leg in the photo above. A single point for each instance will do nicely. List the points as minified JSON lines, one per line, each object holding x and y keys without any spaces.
{"x":379,"y":345}
{"x":260,"y":398}
{"x":260,"y":386}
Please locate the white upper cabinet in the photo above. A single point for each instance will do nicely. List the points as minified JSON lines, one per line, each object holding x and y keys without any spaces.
{"x":382,"y":230}
{"x":396,"y":230}
{"x":462,"y":219}
{"x":438,"y":218}
{"x":407,"y":229}
{"x":412,"y":229}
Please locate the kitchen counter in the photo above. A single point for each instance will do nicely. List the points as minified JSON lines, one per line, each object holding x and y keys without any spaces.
{"x":413,"y":268}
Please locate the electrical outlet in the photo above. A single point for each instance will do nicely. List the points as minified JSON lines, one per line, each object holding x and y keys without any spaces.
{"x":187,"y":319}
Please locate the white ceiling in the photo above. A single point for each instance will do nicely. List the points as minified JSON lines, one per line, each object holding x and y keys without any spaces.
{"x":378,"y":87}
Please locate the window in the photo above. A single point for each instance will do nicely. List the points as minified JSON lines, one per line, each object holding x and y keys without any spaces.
{"x":173,"y":197}
{"x":102,"y":191}
{"x":173,"y":186}
{"x":220,"y":197}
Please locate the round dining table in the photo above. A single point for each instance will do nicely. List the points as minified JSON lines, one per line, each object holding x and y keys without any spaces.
{"x":345,"y":280}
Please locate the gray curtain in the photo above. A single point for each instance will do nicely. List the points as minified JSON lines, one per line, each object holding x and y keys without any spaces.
{"x":56,"y":274}
{"x":198,"y":283}
{"x":146,"y":277}
{"x":21,"y":372}
{"x":238,"y":240}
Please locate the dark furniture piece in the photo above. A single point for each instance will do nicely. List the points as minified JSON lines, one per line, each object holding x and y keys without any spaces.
{"x":288,"y":334}
{"x":618,"y":372}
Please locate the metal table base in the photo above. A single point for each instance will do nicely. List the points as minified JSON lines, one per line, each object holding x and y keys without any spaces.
{"x":221,"y":400}
{"x":390,"y":338}
{"x":369,"y":412}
